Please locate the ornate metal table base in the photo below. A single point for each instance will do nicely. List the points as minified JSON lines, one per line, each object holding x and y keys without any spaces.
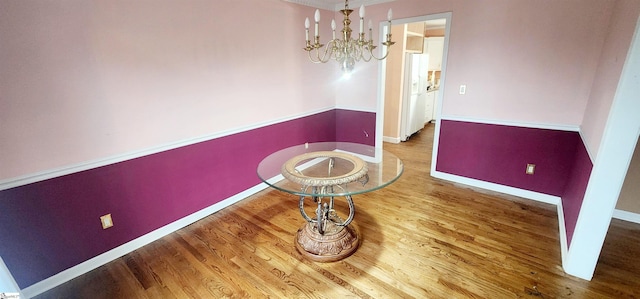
{"x":326,"y":237}
{"x":324,"y":174}
{"x":337,"y":242}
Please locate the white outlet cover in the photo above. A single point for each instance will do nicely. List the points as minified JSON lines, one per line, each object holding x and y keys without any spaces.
{"x":106,"y":221}
{"x":531,"y":168}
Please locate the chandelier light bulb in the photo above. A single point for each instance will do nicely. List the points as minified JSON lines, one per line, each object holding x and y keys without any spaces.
{"x":333,"y":28}
{"x":370,"y":25}
{"x":361,"y":18}
{"x":389,"y":15}
{"x":347,"y":65}
{"x":306,"y":29}
{"x":317,"y":17}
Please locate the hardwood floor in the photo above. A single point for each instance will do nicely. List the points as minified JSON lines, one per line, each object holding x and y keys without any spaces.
{"x":422,"y":238}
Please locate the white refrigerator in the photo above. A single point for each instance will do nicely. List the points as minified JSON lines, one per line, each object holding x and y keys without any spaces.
{"x":414,"y":92}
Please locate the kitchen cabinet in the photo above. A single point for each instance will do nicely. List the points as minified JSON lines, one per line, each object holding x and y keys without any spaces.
{"x":429,"y":106}
{"x":435,"y":104}
{"x":434,"y":47}
{"x":414,"y":37}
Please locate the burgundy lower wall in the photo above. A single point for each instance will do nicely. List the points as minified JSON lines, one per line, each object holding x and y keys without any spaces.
{"x":52,"y":225}
{"x":575,"y":190}
{"x":356,"y":126}
{"x":499,"y":154}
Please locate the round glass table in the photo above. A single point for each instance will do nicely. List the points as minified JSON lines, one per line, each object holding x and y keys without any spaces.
{"x":325,"y":176}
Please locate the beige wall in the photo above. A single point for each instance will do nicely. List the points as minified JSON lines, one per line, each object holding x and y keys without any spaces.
{"x":629,"y":199}
{"x":393,"y":86}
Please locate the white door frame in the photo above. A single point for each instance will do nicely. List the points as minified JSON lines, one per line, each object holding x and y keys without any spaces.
{"x":382,"y":78}
{"x":609,"y":169}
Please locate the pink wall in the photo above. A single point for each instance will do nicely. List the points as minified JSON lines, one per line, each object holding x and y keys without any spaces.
{"x":522,"y":61}
{"x":111,"y":77}
{"x":619,"y":33}
{"x":85,"y":80}
{"x":525,"y":61}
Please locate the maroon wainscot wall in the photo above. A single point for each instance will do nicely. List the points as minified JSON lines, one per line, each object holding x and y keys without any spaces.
{"x":52,"y":225}
{"x":499,"y":154}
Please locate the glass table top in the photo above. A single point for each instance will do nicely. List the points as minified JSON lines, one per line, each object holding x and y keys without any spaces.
{"x":330,"y":169}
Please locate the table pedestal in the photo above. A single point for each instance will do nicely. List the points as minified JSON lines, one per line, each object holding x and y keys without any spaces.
{"x":326,"y":172}
{"x":338,"y":242}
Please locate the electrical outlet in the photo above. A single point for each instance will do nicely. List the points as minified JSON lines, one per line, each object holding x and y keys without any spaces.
{"x":531,"y":168}
{"x":106,"y":221}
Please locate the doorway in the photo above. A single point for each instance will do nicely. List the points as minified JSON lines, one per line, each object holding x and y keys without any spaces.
{"x":399,"y":92}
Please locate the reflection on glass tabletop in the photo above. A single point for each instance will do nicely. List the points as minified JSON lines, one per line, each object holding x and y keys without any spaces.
{"x":330,"y":169}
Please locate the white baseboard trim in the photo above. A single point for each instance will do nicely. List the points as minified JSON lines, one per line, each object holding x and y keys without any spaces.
{"x":395,"y":140}
{"x":93,"y":263}
{"x":7,"y":284}
{"x":564,"y":245}
{"x":537,"y":196}
{"x":73,"y":168}
{"x":626,"y":216}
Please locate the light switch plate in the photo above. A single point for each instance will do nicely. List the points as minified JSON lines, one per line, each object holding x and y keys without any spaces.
{"x":463,"y":89}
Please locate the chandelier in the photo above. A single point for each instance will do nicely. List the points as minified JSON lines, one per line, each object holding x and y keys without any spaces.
{"x":346,"y":51}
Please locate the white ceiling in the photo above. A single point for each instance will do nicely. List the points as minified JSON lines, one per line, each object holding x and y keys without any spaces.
{"x":336,"y":5}
{"x":435,"y":24}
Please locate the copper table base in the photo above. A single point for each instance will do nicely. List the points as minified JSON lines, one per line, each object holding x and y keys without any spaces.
{"x":337,"y":243}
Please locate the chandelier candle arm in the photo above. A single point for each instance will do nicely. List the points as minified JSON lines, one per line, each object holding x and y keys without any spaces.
{"x":333,"y":28}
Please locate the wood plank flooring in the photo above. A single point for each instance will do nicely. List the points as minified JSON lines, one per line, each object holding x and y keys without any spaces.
{"x":421,"y":238}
